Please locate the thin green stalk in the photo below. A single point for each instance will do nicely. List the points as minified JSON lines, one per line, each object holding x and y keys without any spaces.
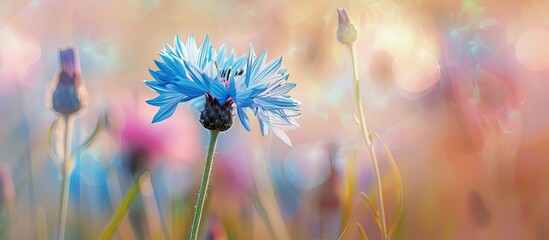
{"x":204,"y":185}
{"x":367,"y":138}
{"x":358,"y":96}
{"x":65,"y":177}
{"x":122,"y":210}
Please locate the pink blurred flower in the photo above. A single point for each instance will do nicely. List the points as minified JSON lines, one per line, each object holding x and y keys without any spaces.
{"x":177,"y":142}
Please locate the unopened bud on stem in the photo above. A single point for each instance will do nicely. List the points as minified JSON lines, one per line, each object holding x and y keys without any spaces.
{"x":66,"y":98}
{"x":346,"y":31}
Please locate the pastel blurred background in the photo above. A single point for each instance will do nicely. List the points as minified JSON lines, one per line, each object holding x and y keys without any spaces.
{"x":457,"y":89}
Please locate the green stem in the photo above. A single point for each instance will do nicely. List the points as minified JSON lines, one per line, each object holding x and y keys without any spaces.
{"x":122,"y":210}
{"x":358,"y":97}
{"x":65,"y":178}
{"x":368,"y":139}
{"x":204,"y":185}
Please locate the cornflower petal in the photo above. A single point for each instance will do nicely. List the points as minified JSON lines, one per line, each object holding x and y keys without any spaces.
{"x":215,"y":81}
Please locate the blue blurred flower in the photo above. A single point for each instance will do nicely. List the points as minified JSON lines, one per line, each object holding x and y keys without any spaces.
{"x":218,"y":81}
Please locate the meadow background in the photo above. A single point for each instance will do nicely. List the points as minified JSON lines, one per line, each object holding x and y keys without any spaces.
{"x":457,"y":89}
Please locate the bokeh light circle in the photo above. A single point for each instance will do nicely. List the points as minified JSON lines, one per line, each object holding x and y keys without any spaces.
{"x":531,"y":49}
{"x":307,"y":166}
{"x":394,"y":39}
{"x":416,"y":70}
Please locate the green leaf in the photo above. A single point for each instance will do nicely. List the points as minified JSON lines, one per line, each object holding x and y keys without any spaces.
{"x":98,"y":126}
{"x":361,"y":231}
{"x":398,"y":187}
{"x":49,"y":139}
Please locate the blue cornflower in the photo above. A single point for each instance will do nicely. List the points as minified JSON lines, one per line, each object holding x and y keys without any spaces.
{"x":218,"y":82}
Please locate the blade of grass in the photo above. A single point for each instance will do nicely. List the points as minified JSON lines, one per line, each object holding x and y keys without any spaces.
{"x":374,"y":210}
{"x":398,"y":188}
{"x":49,"y":139}
{"x":121,"y":212}
{"x":379,"y":185}
{"x":399,"y":227}
{"x":98,"y":126}
{"x":262,"y":213}
{"x":370,"y":204}
{"x":361,"y":231}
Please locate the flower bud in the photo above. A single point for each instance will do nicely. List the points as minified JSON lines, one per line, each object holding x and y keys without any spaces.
{"x":67,"y":96}
{"x":346,"y":32}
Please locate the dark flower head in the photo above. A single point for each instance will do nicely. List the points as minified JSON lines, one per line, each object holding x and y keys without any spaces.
{"x":68,"y":94}
{"x":215,"y":116}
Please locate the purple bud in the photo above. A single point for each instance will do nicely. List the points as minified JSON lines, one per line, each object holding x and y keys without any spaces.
{"x":343,"y":17}
{"x":68,"y":61}
{"x":346,"y":32}
{"x":66,"y":98}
